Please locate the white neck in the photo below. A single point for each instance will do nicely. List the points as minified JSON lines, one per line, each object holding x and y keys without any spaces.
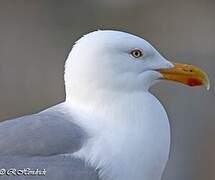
{"x":130,"y":136}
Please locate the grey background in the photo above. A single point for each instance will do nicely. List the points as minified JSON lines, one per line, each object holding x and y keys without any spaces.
{"x":36,"y":36}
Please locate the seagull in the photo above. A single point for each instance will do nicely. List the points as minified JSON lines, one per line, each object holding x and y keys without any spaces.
{"x":110,"y":127}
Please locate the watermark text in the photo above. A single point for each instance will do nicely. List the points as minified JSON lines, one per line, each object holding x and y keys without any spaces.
{"x":22,"y":172}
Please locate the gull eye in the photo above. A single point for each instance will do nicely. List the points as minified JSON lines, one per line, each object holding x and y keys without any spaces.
{"x":136,"y":53}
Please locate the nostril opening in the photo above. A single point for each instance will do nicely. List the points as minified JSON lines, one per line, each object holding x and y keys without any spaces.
{"x":188,"y":70}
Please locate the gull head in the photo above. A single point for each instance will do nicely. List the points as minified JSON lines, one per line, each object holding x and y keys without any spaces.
{"x":114,"y":61}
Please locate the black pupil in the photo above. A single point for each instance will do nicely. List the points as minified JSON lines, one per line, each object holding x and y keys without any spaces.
{"x":136,"y":53}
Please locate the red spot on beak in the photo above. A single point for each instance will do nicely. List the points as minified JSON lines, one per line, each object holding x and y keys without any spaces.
{"x":194,"y":82}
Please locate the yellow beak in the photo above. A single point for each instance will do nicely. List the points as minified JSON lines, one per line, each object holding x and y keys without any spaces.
{"x":186,"y":74}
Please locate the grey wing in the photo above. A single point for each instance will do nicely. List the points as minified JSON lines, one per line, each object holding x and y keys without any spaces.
{"x":40,"y":140}
{"x":48,"y":133}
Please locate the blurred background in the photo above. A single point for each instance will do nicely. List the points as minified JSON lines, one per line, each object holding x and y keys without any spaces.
{"x":37,"y":35}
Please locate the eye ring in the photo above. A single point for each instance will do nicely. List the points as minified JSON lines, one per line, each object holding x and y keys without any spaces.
{"x":136,"y":53}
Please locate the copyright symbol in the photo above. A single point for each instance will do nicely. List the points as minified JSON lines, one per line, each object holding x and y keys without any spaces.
{"x":2,"y":172}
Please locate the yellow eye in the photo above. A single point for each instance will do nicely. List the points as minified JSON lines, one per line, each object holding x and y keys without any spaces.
{"x":136,"y":53}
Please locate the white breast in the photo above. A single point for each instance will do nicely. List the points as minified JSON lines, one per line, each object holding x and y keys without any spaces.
{"x":130,"y":139}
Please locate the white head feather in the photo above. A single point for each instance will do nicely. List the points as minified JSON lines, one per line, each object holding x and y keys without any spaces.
{"x":101,"y":60}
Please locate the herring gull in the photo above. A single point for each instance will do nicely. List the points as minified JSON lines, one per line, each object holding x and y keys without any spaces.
{"x":110,"y":126}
